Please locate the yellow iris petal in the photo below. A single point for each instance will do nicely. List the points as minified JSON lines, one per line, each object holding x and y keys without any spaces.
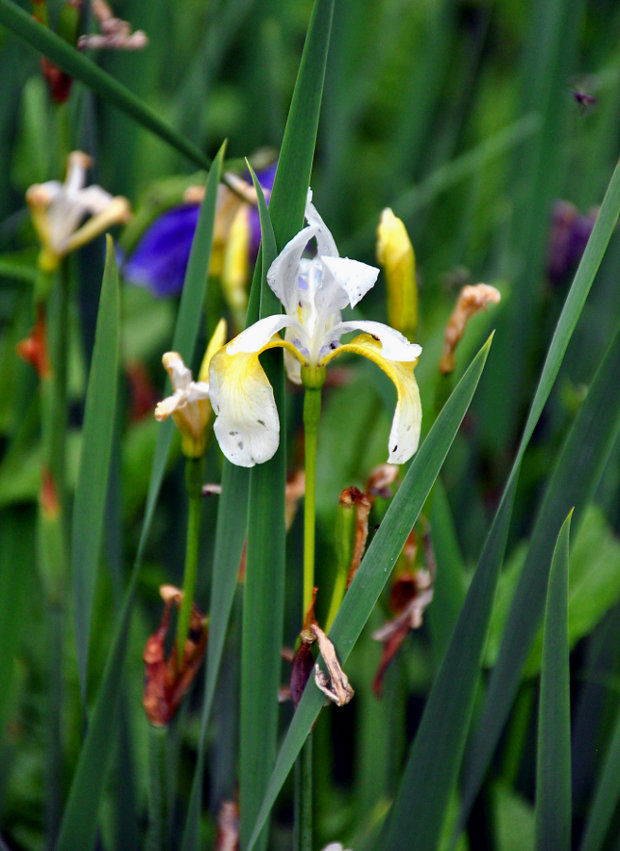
{"x":405,"y":431}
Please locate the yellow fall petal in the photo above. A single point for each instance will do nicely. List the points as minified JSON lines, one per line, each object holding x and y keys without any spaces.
{"x":407,"y":420}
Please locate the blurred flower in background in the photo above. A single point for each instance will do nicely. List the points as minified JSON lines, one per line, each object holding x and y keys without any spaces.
{"x":68,"y":215}
{"x":159,"y":261}
{"x":570,"y":232}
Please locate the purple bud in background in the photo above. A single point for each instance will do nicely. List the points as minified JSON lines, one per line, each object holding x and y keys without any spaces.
{"x":569,"y":235}
{"x":159,"y":261}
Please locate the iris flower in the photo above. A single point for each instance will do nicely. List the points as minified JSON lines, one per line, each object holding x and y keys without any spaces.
{"x":313,"y":293}
{"x":58,"y":211}
{"x":189,"y":404}
{"x":159,"y":261}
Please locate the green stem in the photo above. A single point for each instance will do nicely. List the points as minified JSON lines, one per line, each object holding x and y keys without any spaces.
{"x":60,"y":337}
{"x":340,"y":585}
{"x":158,"y":789}
{"x":312,"y":413}
{"x":303,"y":798}
{"x":193,"y":481}
{"x":54,"y":614}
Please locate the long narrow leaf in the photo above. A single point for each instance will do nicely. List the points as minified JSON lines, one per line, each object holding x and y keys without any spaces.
{"x":576,"y":473}
{"x":376,"y":567}
{"x":432,"y":767}
{"x":97,"y":436}
{"x":77,"y":65}
{"x":264,"y":589}
{"x":187,"y":326}
{"x":79,"y":824}
{"x":229,"y":539}
{"x":606,"y":799}
{"x":553,"y":784}
{"x":263,"y":597}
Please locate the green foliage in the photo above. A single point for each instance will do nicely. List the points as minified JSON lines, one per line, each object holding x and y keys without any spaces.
{"x":471,"y":121}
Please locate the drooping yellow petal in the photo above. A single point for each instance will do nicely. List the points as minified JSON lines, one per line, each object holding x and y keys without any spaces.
{"x":247,"y":425}
{"x":407,"y":420}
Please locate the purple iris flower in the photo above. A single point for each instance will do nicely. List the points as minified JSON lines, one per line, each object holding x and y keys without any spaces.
{"x":159,"y":261}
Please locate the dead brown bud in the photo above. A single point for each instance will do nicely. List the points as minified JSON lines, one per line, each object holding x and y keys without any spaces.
{"x":336,"y":686}
{"x":471,"y":300}
{"x":166,"y":681}
{"x":115,"y":33}
{"x":227,"y":838}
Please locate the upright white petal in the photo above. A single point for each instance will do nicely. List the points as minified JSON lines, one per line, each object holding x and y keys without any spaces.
{"x":325,"y":242}
{"x":283,"y":274}
{"x":347,"y":283}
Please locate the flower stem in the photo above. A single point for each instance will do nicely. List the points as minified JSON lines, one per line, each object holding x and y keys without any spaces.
{"x":157,"y":839}
{"x":312,"y":413}
{"x":303,"y":798}
{"x":193,"y":481}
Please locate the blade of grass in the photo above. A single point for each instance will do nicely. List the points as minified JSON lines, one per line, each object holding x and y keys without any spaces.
{"x":17,"y":578}
{"x":430,"y":775}
{"x":187,"y":326}
{"x":286,"y":209}
{"x":264,"y":589}
{"x":450,"y":174}
{"x":606,"y":799}
{"x":553,"y":774}
{"x":376,"y":567}
{"x":229,"y":540}
{"x":577,"y":470}
{"x":79,"y":823}
{"x":77,"y":65}
{"x":97,"y":435}
{"x":263,"y":596}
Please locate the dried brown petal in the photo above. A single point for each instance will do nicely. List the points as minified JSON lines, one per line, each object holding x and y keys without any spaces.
{"x":354,"y":496}
{"x":227,"y":838}
{"x":336,"y":686}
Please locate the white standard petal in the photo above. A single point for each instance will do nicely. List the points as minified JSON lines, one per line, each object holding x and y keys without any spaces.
{"x":325,"y":242}
{"x":256,"y":337}
{"x":347,"y":283}
{"x":394,"y":345}
{"x":247,"y":427}
{"x":94,"y":199}
{"x":283,"y":274}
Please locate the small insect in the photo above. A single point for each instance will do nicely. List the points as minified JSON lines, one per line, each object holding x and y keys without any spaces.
{"x":584,"y":99}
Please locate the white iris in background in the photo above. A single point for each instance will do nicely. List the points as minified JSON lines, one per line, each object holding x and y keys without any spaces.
{"x":58,"y":211}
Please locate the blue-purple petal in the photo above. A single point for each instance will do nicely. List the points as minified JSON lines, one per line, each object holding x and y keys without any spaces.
{"x":160,"y":259}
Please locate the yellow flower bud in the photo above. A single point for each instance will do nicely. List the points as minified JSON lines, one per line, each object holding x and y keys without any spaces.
{"x":395,"y":254}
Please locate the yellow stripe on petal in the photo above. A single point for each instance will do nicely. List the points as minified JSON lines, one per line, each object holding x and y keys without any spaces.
{"x":405,"y":431}
{"x":247,"y":427}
